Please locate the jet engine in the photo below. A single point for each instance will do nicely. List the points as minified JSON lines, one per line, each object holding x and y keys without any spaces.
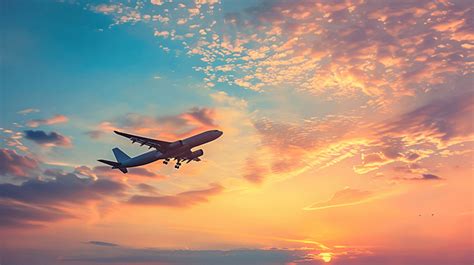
{"x":195,"y":154}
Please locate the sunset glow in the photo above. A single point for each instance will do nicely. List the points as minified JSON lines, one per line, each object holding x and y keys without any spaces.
{"x":348,"y":132}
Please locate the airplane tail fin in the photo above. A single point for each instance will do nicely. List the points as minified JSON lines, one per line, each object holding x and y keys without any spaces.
{"x":120,"y":155}
{"x":115,"y":165}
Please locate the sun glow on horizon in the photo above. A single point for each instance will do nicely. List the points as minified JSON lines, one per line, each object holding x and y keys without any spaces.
{"x":325,"y":256}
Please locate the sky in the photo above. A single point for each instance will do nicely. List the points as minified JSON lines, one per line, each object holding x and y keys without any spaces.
{"x":348,"y":132}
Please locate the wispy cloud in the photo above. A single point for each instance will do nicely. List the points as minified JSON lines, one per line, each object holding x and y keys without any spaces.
{"x":102,"y":244}
{"x":53,"y":120}
{"x":28,"y":111}
{"x":180,"y":200}
{"x":18,"y":215}
{"x":345,"y":197}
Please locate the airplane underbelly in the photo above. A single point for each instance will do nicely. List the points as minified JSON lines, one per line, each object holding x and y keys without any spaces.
{"x":143,"y":159}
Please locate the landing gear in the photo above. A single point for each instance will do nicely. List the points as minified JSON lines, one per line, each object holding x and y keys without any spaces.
{"x":166,"y":161}
{"x":178,"y":164}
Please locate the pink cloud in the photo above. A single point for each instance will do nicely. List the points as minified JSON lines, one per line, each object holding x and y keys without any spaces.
{"x":53,"y":120}
{"x":14,"y":164}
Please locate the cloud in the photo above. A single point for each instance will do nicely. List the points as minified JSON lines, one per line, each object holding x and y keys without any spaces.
{"x":345,"y":197}
{"x":372,"y":50}
{"x":254,"y":172}
{"x":40,"y":200}
{"x":102,"y":244}
{"x":47,"y":139}
{"x":53,"y":120}
{"x":372,"y":54}
{"x":442,"y":120}
{"x":145,"y":188}
{"x":157,"y":2}
{"x":63,"y":189}
{"x":290,"y":148}
{"x":423,"y":177}
{"x":16,"y":165}
{"x":251,"y":256}
{"x":197,"y":257}
{"x":107,"y":9}
{"x":94,"y":134}
{"x":28,"y":111}
{"x":132,"y":172}
{"x":172,"y":127}
{"x":430,"y":177}
{"x":18,"y":215}
{"x":180,"y":200}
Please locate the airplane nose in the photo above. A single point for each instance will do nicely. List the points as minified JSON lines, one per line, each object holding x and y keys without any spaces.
{"x":219,"y":133}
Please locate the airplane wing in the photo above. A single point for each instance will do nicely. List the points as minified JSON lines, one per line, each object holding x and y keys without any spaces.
{"x":152,"y":143}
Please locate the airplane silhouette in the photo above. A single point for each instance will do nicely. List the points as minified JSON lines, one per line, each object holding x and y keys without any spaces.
{"x":179,"y":150}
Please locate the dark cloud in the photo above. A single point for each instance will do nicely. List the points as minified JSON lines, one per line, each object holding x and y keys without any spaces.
{"x":38,"y":201}
{"x":181,"y":200}
{"x":274,"y":256}
{"x":430,"y":177}
{"x":102,"y":244}
{"x":14,"y":214}
{"x":16,"y":165}
{"x":47,"y":139}
{"x":64,"y":188}
{"x":422,"y":177}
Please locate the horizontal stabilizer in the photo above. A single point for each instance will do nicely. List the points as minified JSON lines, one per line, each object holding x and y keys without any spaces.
{"x":110,"y":163}
{"x":114,"y":165}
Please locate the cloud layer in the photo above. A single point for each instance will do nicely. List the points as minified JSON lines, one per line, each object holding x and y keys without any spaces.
{"x":16,"y":165}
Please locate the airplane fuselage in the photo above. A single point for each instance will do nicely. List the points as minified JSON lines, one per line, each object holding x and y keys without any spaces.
{"x":175,"y":149}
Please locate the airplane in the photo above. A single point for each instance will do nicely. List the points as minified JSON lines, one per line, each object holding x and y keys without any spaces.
{"x":179,"y":150}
